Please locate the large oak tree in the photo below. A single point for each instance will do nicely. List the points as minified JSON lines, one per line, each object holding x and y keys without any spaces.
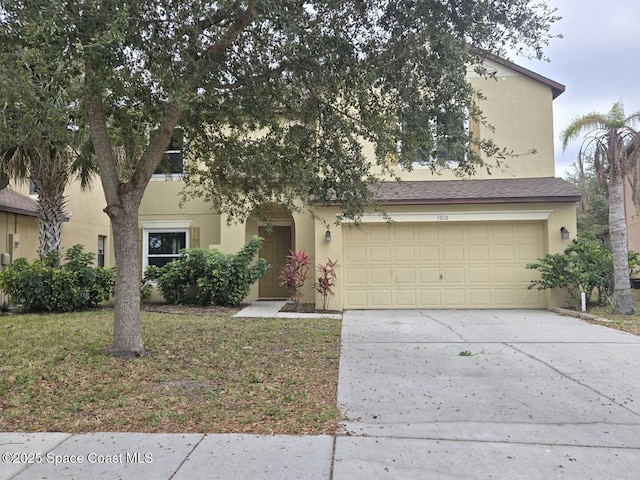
{"x":275,"y":97}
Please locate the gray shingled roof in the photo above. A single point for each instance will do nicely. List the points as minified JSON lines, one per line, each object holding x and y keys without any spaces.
{"x":501,"y":190}
{"x":14,"y":202}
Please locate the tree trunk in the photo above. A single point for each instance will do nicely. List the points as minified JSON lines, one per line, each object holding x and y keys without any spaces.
{"x":127,"y":337}
{"x":50,"y":217}
{"x":622,"y":301}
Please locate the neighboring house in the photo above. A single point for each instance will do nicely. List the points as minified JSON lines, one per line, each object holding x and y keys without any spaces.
{"x":632,"y":216}
{"x":86,"y":223}
{"x":453,"y":243}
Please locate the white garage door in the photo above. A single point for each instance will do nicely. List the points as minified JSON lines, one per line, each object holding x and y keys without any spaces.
{"x":442,"y":265}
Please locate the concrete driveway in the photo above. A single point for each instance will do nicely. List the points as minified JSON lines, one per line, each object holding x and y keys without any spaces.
{"x":444,"y":394}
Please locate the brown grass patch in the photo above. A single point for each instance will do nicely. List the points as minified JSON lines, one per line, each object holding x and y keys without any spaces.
{"x":202,"y":373}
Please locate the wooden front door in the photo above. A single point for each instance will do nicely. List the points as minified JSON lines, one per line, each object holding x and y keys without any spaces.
{"x":275,"y":248}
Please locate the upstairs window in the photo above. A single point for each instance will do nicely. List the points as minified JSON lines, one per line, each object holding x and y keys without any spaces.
{"x":172,"y":162}
{"x":443,"y":154}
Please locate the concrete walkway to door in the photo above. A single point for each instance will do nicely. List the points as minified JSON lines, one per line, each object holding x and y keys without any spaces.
{"x":486,"y":394}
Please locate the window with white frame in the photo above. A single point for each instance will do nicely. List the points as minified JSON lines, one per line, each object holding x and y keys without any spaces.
{"x":172,"y":163}
{"x":443,"y":156}
{"x":102,"y":240}
{"x":162,"y":246}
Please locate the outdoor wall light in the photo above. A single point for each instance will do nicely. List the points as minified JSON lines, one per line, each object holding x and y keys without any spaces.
{"x":327,"y":236}
{"x":564,"y":233}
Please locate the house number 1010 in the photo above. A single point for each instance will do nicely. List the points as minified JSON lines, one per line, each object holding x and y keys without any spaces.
{"x":442,"y":218}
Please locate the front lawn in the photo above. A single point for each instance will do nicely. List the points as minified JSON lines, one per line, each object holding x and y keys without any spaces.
{"x":627,"y":323}
{"x":202,"y":373}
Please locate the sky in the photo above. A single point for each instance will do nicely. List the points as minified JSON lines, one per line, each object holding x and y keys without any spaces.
{"x":598,"y":61}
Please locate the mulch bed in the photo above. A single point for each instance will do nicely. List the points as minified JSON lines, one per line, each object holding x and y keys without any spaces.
{"x":304,"y":308}
{"x":189,"y":309}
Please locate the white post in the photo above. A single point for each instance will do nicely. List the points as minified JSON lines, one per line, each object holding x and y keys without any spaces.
{"x":583,"y":298}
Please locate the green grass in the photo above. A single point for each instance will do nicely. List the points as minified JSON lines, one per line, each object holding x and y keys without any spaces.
{"x":210,"y":373}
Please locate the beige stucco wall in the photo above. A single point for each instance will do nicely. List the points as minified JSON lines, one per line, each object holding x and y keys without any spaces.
{"x":520,"y":110}
{"x":87,"y":221}
{"x":161,"y":203}
{"x":633,"y":220}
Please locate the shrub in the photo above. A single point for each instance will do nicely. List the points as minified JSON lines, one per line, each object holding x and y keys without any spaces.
{"x":209,"y":277}
{"x":585,"y":266}
{"x":44,"y":286}
{"x":294,"y":274}
{"x":326,"y":281}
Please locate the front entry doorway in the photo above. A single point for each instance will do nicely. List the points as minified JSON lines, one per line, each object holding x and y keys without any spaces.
{"x":275,"y":248}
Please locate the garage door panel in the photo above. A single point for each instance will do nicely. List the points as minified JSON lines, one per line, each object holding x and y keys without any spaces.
{"x":379,"y":233}
{"x":480,"y":297}
{"x":478,"y":232}
{"x":404,"y":253}
{"x":478,"y":253}
{"x":356,"y":276}
{"x":453,"y":253}
{"x":451,"y":231}
{"x":405,"y":276}
{"x":356,"y":298}
{"x":428,"y":253}
{"x":504,"y":274}
{"x":454,"y":265}
{"x":380,"y":275}
{"x":504,"y":253}
{"x":529,"y":253}
{"x":406,"y":298}
{"x":404,"y":234}
{"x":355,"y":255}
{"x":505,"y":297}
{"x":479,"y":274}
{"x":454,"y":274}
{"x":430,"y":297}
{"x":455,"y":297}
{"x":427,"y":233}
{"x":380,"y":253}
{"x":429,"y":275}
{"x":381,"y":298}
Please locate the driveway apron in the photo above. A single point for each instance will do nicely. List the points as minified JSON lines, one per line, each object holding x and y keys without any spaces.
{"x":507,"y":394}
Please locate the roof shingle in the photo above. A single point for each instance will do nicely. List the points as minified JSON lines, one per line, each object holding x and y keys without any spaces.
{"x":503,"y":190}
{"x":14,"y":202}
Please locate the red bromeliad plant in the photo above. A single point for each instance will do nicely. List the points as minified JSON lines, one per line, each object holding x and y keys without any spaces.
{"x":326,"y":281}
{"x":294,"y":273}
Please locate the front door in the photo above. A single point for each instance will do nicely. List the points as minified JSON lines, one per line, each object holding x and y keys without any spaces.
{"x":275,"y":248}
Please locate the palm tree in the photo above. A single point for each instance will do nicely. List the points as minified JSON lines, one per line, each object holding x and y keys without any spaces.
{"x":40,"y":138}
{"x":50,"y":169}
{"x":613,"y":141}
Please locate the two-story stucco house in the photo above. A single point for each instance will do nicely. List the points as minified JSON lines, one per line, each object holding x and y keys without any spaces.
{"x":453,"y":243}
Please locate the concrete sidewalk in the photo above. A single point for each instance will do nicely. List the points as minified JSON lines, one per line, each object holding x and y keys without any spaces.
{"x":425,"y":395}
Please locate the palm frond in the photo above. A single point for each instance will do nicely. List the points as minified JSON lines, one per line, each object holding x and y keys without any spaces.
{"x":580,"y":125}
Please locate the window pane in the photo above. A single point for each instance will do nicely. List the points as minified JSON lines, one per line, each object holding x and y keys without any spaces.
{"x":161,"y":261}
{"x":164,"y":243}
{"x":172,"y":162}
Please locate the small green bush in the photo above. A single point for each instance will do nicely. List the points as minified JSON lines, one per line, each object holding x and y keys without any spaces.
{"x":585,"y":266}
{"x":209,"y":277}
{"x":42,"y":286}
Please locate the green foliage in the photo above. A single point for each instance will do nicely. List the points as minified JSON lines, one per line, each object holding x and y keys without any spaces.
{"x":585,"y":266}
{"x":592,"y":212}
{"x":45,"y":286}
{"x":294,"y":274}
{"x":209,"y":277}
